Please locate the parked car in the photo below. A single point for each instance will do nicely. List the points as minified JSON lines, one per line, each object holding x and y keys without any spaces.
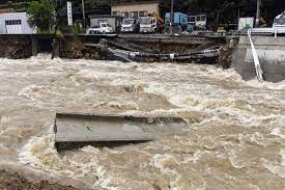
{"x":279,"y":21}
{"x":100,"y":29}
{"x":129,"y":25}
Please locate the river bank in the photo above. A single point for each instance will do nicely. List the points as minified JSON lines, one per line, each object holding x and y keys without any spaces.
{"x":96,"y":47}
{"x":10,"y":180}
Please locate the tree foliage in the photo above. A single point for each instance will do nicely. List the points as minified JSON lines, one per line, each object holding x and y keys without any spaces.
{"x":41,"y":15}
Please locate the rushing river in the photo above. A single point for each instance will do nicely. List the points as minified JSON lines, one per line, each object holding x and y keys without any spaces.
{"x":235,"y":140}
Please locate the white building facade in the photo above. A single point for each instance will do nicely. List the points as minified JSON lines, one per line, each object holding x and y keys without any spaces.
{"x":15,"y":23}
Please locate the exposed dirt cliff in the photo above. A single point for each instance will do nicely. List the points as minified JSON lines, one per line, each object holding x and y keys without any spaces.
{"x":15,"y":47}
{"x":12,"y":181}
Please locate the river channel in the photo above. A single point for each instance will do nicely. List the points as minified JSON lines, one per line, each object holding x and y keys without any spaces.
{"x":235,"y":137}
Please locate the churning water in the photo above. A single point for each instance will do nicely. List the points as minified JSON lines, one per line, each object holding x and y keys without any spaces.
{"x":235,"y":140}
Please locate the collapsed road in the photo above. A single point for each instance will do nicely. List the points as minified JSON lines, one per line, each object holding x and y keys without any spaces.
{"x":97,"y":47}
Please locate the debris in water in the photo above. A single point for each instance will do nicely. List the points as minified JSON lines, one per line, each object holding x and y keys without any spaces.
{"x":69,"y":128}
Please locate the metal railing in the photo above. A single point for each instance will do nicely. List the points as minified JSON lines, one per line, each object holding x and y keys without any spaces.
{"x":273,"y":31}
{"x":129,"y":55}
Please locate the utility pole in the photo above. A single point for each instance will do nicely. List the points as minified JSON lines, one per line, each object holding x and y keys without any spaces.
{"x":257,"y":13}
{"x":171,"y":17}
{"x":83,"y":14}
{"x":56,"y":40}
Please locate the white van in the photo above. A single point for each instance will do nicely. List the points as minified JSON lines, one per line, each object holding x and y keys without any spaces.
{"x":102,"y":28}
{"x":127,"y":25}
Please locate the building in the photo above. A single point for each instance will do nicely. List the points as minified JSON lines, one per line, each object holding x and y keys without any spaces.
{"x":15,"y":23}
{"x":113,"y":20}
{"x":198,"y":20}
{"x":136,"y":9}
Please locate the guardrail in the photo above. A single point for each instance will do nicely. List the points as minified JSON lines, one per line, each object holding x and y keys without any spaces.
{"x":273,"y":31}
{"x":260,"y":31}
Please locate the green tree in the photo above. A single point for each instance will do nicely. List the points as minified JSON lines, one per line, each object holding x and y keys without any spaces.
{"x":41,"y":15}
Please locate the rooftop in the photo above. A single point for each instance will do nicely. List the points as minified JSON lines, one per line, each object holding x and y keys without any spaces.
{"x":120,"y":2}
{"x":104,"y":16}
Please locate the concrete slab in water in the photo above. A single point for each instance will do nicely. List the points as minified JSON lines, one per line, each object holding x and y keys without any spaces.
{"x":85,"y":129}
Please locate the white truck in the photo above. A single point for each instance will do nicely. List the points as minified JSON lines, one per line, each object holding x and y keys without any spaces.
{"x":148,"y":24}
{"x":102,"y":28}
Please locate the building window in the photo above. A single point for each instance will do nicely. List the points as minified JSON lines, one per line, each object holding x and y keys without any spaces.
{"x":125,"y":14}
{"x":192,"y":19}
{"x":134,"y":14}
{"x":116,"y":13}
{"x":13,"y":22}
{"x":143,"y":13}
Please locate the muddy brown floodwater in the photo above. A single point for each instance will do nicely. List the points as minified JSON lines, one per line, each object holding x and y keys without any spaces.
{"x":235,"y":139}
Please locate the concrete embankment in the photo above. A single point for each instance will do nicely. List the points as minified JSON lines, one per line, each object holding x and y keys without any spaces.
{"x":271,"y":54}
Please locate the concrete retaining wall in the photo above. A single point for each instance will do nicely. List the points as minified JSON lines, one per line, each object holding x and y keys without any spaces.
{"x":271,"y":53}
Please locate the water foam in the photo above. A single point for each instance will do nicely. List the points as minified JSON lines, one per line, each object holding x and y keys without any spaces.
{"x":40,"y":152}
